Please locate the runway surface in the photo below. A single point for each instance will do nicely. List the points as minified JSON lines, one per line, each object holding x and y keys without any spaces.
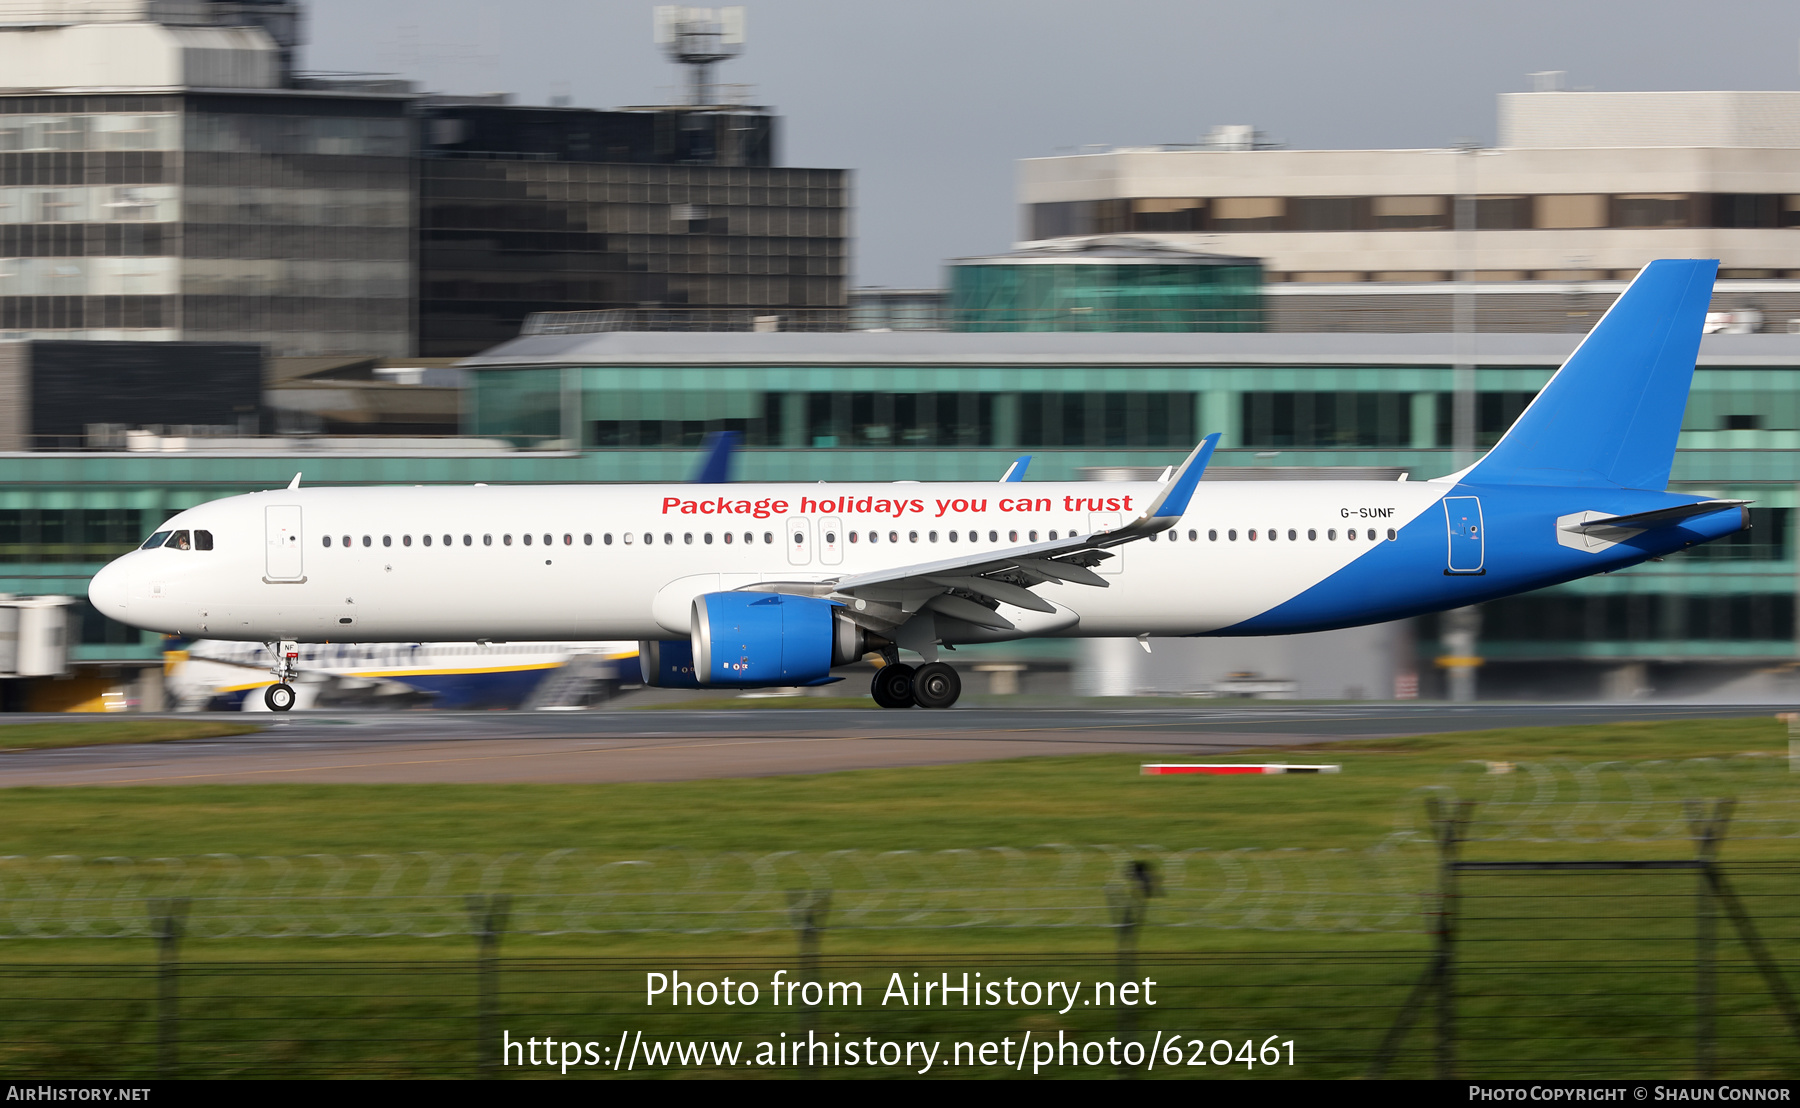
{"x":676,"y":745}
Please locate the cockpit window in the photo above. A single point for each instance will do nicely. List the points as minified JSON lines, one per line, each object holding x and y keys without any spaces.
{"x":180,"y":541}
{"x":155,"y":540}
{"x":203,"y":540}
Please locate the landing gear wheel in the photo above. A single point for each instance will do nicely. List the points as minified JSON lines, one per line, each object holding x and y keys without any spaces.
{"x":936,"y":685}
{"x":279,"y":698}
{"x":893,"y":686}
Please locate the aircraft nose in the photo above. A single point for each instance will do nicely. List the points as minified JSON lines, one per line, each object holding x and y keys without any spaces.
{"x":109,"y":591}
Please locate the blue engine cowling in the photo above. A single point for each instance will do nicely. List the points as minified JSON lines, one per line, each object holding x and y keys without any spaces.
{"x":756,"y":639}
{"x":667,"y":665}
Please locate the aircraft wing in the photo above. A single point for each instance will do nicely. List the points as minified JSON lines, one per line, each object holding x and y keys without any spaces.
{"x":971,"y":586}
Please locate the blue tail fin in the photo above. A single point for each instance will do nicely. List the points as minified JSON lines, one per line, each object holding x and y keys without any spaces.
{"x":715,"y":465}
{"x":1610,"y":415}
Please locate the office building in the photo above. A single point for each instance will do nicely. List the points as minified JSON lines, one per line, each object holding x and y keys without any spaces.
{"x":671,"y":218}
{"x":162,"y":178}
{"x":1582,"y":189}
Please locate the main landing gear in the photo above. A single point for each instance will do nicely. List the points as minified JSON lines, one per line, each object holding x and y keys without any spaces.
{"x":280,"y":696}
{"x":933,"y":685}
{"x":893,"y":686}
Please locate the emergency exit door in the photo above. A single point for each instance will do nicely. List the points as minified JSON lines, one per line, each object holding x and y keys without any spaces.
{"x":1467,"y":537}
{"x":799,"y":540}
{"x":281,"y":525}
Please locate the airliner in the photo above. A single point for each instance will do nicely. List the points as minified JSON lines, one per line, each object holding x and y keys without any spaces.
{"x":232,"y":676}
{"x":760,"y":585}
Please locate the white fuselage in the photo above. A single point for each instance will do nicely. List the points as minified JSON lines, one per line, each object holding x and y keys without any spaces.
{"x":625,"y":561}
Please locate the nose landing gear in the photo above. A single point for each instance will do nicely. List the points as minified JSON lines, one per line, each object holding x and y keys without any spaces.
{"x":280,"y":696}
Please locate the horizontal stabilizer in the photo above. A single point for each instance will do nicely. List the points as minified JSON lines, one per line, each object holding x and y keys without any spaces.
{"x":1661,"y":517}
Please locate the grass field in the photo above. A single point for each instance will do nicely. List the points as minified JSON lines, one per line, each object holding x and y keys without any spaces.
{"x":1591,"y":978}
{"x":99,"y":732}
{"x":1021,"y":803}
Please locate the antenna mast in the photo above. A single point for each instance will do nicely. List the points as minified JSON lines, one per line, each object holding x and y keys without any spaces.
{"x":699,"y":38}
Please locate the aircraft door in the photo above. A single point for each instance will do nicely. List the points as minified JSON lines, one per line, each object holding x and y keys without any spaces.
{"x":1468,"y":539}
{"x":1108,"y":521}
{"x":281,"y":526}
{"x":799,"y":540}
{"x":831,"y":541}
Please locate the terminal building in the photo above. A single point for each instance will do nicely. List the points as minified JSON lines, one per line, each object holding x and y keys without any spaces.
{"x":911,"y":405}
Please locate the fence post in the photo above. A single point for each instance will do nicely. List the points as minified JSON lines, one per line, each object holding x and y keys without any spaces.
{"x":1128,"y":899}
{"x":487,"y":918}
{"x":1447,"y":822}
{"x":167,"y":920}
{"x":1706,"y":822}
{"x":808,"y":909}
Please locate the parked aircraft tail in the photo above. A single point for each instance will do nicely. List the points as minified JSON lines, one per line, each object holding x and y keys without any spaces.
{"x":1610,"y":415}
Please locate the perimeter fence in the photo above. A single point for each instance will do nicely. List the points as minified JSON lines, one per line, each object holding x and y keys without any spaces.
{"x":1548,"y":920}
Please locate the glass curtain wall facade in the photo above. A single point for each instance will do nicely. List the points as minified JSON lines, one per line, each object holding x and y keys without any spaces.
{"x":90,"y":217}
{"x":283,"y":219}
{"x":501,"y":238}
{"x":1105,"y":296}
{"x":297,"y":227}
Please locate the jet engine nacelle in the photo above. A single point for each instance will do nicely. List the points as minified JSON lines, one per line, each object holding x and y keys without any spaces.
{"x":667,"y":665}
{"x":752,"y":639}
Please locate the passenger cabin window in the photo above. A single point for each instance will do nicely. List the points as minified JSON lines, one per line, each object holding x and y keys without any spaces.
{"x":203,"y":540}
{"x":346,"y":541}
{"x":426,"y":539}
{"x":588,"y":540}
{"x":566,"y":540}
{"x":327,"y":540}
{"x":387,"y":540}
{"x":367,"y":541}
{"x":526,"y":539}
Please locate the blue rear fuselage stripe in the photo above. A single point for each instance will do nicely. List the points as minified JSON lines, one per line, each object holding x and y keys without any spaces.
{"x":1409,"y":575}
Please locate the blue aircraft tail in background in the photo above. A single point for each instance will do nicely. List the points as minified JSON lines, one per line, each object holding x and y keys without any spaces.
{"x":715,"y":461}
{"x":1610,"y":416}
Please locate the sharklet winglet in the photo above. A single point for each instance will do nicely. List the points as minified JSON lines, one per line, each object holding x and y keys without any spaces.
{"x":1173,"y":501}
